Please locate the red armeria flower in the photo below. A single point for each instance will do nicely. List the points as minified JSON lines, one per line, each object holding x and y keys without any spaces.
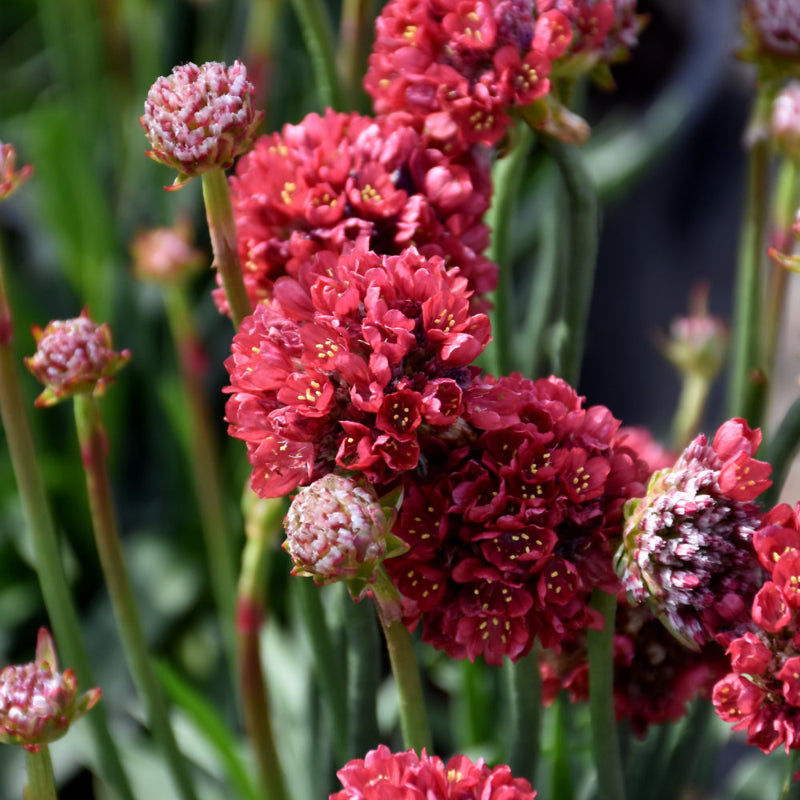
{"x":655,"y":676}
{"x":687,"y":546}
{"x":762,"y":691}
{"x":516,"y":522}
{"x":353,"y":365}
{"x":475,"y":60}
{"x":339,"y":179}
{"x":406,"y":776}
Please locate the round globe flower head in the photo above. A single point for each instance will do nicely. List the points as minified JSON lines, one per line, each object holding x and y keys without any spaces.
{"x":338,"y":530}
{"x":513,"y":524}
{"x":10,"y":176}
{"x":761,"y":692}
{"x":384,"y":774}
{"x":687,"y":546}
{"x":166,"y":255}
{"x":352,"y":367}
{"x":200,"y":118}
{"x":38,"y":703}
{"x":74,"y":356}
{"x":382,"y":183}
{"x":785,"y":123}
{"x":772,"y":37}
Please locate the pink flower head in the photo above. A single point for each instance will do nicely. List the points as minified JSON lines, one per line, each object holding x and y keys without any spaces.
{"x":200,"y":118}
{"x":687,"y":546}
{"x":10,"y":176}
{"x":785,"y":122}
{"x":353,"y":366}
{"x":38,"y":703}
{"x":74,"y":356}
{"x":655,"y":676}
{"x":478,"y":61}
{"x":761,"y":693}
{"x":515,"y":522}
{"x":338,"y":530}
{"x":166,"y":255}
{"x":407,"y":776}
{"x":384,"y":184}
{"x":772,"y":33}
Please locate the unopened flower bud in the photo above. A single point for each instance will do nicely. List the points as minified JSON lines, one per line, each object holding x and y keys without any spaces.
{"x":200,"y":118}
{"x":166,"y":255}
{"x":772,"y":31}
{"x":74,"y":356}
{"x":38,"y":703}
{"x":785,"y":125}
{"x":338,"y":530}
{"x":10,"y":177}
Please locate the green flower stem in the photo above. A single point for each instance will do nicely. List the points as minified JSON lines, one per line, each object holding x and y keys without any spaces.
{"x":354,"y":31}
{"x":41,"y":783}
{"x":413,"y":715}
{"x":524,"y":692}
{"x":747,"y":378}
{"x":605,"y":742}
{"x":222,"y":229}
{"x":579,"y":274}
{"x":93,"y":443}
{"x":205,"y":464}
{"x":363,"y":677}
{"x":317,"y":31}
{"x":329,"y":667}
{"x":262,"y":520}
{"x":791,"y":787}
{"x":47,"y":555}
{"x":506,"y":178}
{"x":694,"y":393}
{"x":779,"y":452}
{"x":562,"y":783}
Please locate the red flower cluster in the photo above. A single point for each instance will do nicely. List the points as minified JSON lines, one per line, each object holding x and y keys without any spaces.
{"x":340,"y":179}
{"x":655,"y":676}
{"x":467,"y":62}
{"x":687,"y":542}
{"x":516,"y":523}
{"x":352,"y":365}
{"x":406,"y":776}
{"x":762,"y":693}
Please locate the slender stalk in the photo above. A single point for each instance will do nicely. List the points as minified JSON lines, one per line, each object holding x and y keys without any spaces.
{"x":791,"y":787}
{"x":403,"y":660}
{"x":222,"y":229}
{"x":579,"y":274}
{"x":41,"y":782}
{"x":318,"y":35}
{"x":779,"y":452}
{"x":357,"y":17}
{"x":747,"y":377}
{"x":605,"y":742}
{"x":262,"y":521}
{"x":524,"y":692}
{"x":93,"y":443}
{"x":694,"y":393}
{"x":562,"y":784}
{"x":47,"y":555}
{"x":506,"y":177}
{"x":205,"y":464}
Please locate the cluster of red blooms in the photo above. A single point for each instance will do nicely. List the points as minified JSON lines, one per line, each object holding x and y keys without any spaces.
{"x":687,"y":545}
{"x":407,"y":776}
{"x":655,"y":676}
{"x":352,"y":365}
{"x":340,"y":180}
{"x":517,"y":523}
{"x":463,"y":64}
{"x":762,"y":693}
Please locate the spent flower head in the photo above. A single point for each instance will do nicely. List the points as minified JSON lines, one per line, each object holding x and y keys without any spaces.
{"x":407,"y":776}
{"x":687,"y":544}
{"x":200,"y":118}
{"x":38,"y":703}
{"x":338,"y":530}
{"x":10,"y":176}
{"x":74,"y":356}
